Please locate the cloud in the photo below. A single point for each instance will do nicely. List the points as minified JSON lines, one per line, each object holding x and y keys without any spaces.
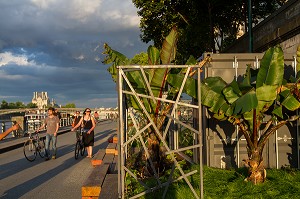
{"x":56,"y":46}
{"x":9,"y":58}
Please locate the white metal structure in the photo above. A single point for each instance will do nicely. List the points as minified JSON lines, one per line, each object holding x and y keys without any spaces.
{"x":125,"y":88}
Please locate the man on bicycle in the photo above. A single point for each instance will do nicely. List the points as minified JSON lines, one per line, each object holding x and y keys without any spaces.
{"x":51,"y":123}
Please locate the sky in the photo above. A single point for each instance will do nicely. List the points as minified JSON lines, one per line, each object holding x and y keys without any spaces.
{"x":56,"y":46}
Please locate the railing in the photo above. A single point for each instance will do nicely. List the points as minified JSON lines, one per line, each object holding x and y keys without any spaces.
{"x":29,"y":126}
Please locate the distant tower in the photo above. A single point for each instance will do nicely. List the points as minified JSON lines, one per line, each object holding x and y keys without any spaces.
{"x":41,"y":99}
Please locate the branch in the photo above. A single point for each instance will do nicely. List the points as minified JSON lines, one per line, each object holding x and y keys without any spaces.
{"x":265,"y":137}
{"x":267,"y":126}
{"x":255,"y":134}
{"x":245,"y":132}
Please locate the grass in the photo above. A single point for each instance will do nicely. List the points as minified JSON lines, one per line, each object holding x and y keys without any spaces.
{"x":230,"y":184}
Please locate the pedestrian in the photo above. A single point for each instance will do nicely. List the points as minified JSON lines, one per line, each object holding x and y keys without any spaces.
{"x":76,"y":120}
{"x":57,"y":113}
{"x":88,"y":125}
{"x":51,"y":123}
{"x":96,"y":116}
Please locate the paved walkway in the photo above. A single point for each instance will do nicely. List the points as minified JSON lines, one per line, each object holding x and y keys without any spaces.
{"x":24,"y":179}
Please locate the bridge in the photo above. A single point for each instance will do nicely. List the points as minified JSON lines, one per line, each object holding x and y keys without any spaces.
{"x":59,"y":178}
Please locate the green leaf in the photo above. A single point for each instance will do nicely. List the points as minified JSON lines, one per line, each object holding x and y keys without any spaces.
{"x":246,"y":103}
{"x":272,"y":68}
{"x":278,"y":111}
{"x":266,"y":95}
{"x":190,"y":88}
{"x":168,"y":51}
{"x":291,"y":103}
{"x":232,"y":92}
{"x":116,"y":58}
{"x":153,"y":55}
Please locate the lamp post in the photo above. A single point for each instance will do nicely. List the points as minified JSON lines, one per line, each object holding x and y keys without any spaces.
{"x":250,"y":26}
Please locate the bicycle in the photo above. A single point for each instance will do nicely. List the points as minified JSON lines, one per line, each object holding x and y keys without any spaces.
{"x":79,"y":146}
{"x":34,"y":145}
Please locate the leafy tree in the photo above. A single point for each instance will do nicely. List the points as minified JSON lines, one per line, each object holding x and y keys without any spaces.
{"x":4,"y":104}
{"x":203,"y":25}
{"x":12,"y":105}
{"x":70,"y":105}
{"x":31,"y":105}
{"x":20,"y":104}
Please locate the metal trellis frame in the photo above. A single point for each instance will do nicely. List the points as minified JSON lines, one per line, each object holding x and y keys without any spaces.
{"x":125,"y":88}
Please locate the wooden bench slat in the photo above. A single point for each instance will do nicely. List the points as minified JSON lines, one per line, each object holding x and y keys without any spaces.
{"x":111,"y":148}
{"x":92,"y":185}
{"x":98,"y":157}
{"x":110,"y":187}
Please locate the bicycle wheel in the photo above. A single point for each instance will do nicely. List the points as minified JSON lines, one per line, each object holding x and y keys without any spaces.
{"x":77,"y":148}
{"x":42,"y":149}
{"x":82,"y":151}
{"x":29,"y":150}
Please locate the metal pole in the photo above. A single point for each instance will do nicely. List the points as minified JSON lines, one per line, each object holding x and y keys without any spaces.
{"x":276,"y":147}
{"x":120,"y":138}
{"x":235,"y":66}
{"x":200,"y":135}
{"x":297,"y":124}
{"x":250,"y":26}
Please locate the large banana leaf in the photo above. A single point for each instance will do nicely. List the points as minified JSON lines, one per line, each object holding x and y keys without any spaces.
{"x":153,"y":55}
{"x":168,"y":51}
{"x":272,"y":68}
{"x":155,"y":77}
{"x":116,"y":58}
{"x":289,"y":101}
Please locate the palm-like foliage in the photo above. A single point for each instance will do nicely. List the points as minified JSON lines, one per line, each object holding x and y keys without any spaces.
{"x":247,"y":103}
{"x":262,"y":92}
{"x":150,"y":82}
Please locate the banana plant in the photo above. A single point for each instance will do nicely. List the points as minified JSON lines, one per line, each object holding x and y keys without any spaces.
{"x":157,"y":79}
{"x":262,"y":101}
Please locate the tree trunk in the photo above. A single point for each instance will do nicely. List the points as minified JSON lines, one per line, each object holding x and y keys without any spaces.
{"x":256,"y":170}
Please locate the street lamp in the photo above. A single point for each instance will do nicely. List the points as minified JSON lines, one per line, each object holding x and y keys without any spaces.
{"x":250,"y":26}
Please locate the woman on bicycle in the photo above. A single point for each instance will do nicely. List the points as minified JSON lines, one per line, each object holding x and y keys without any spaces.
{"x":88,"y":125}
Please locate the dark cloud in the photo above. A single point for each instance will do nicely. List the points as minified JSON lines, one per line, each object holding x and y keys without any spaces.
{"x":55,"y":46}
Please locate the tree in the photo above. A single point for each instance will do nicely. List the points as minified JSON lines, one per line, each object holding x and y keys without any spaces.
{"x":20,"y":104}
{"x":157,"y":110}
{"x":262,"y":101}
{"x":4,"y":104}
{"x":203,"y":25}
{"x":31,"y":105}
{"x":70,"y":105}
{"x":262,"y":95}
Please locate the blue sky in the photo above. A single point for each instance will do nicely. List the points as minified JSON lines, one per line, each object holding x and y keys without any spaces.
{"x":56,"y":46}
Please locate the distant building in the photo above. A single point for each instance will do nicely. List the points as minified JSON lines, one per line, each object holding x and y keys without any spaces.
{"x":41,"y":99}
{"x":53,"y":104}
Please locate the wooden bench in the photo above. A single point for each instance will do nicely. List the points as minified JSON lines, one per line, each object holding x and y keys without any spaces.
{"x":98,"y":158}
{"x":91,"y":188}
{"x":113,"y":139}
{"x":104,"y":163}
{"x":110,"y":187}
{"x":111,"y":148}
